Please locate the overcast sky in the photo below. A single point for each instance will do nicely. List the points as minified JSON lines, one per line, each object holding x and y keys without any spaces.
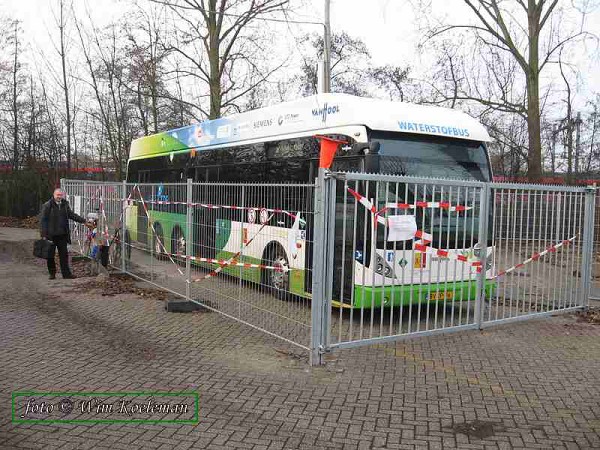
{"x":388,"y":27}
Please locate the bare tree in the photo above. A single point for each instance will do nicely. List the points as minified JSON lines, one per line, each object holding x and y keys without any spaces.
{"x":15,"y":94}
{"x":61,"y":22}
{"x":567,"y":123}
{"x":107,"y":80}
{"x":392,"y":79}
{"x":223,"y":30}
{"x":516,"y":29}
{"x":350,"y":59}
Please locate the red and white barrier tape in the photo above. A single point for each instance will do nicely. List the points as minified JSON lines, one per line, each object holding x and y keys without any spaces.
{"x":228,"y":262}
{"x":104,"y":219}
{"x":425,"y":238}
{"x":432,"y":205}
{"x":536,"y":256}
{"x":442,"y":205}
{"x":211,"y":206}
{"x":424,"y":248}
{"x":222,"y":262}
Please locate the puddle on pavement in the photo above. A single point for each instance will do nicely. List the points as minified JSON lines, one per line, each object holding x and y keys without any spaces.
{"x":477,"y":429}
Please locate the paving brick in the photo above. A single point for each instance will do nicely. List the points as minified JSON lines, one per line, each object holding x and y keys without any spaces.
{"x":535,"y":382}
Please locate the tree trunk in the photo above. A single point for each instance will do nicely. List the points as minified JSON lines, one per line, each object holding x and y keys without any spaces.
{"x":534,"y":156}
{"x":214,"y":63}
{"x":63,"y":58}
{"x":15,"y":109}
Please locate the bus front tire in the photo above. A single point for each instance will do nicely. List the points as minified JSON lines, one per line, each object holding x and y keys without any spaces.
{"x":277,"y":279}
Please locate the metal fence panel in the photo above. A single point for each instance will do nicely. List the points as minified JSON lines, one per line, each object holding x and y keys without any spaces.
{"x":595,"y":289}
{"x":252,"y":255}
{"x":538,"y":240}
{"x":419,"y":256}
{"x":406,"y":257}
{"x":244,"y":250}
{"x":102,"y":200}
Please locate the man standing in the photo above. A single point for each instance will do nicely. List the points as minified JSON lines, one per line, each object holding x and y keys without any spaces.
{"x":54,"y":221}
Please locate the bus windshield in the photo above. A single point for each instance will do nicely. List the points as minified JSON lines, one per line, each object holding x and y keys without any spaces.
{"x":421,"y":156}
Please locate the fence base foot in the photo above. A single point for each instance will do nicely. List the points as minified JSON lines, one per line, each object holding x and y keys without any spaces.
{"x":181,"y":306}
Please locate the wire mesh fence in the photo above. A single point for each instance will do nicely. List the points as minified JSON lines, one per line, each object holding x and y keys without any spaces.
{"x":242,"y":250}
{"x":354,"y":258}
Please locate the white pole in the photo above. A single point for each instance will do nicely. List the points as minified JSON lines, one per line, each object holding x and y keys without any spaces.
{"x":327,"y":49}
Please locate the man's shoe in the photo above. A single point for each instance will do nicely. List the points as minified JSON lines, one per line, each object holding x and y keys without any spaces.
{"x":52,"y":277}
{"x":69,"y":277}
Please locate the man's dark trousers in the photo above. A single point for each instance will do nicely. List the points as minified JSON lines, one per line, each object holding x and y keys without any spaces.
{"x":61,"y":245}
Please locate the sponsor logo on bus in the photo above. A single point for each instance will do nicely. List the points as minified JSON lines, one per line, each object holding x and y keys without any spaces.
{"x":325,"y":111}
{"x":288,"y":118}
{"x":263,"y":123}
{"x":224,"y":131}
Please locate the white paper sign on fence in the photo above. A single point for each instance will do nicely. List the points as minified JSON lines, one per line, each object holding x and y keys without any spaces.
{"x":401,"y":228}
{"x":76,"y":203}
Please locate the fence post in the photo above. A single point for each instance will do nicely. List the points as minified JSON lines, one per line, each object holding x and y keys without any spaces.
{"x":318,"y":270}
{"x":588,"y":246}
{"x":330,"y":197}
{"x":484,"y":215}
{"x":123,"y":224}
{"x":188,"y":242}
{"x":149,"y":229}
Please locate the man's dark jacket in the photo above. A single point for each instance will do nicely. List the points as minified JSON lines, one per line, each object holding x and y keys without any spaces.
{"x":54,"y":219}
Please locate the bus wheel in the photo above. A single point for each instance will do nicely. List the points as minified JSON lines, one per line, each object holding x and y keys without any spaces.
{"x":178,"y":243}
{"x":277,"y":279}
{"x":158,"y":242}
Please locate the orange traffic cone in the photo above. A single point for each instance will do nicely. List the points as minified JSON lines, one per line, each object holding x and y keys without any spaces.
{"x":328,"y":148}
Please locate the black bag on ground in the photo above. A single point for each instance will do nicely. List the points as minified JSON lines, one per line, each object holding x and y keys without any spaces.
{"x":43,"y":248}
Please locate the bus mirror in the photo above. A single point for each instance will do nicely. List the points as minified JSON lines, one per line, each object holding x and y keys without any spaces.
{"x":364,"y":148}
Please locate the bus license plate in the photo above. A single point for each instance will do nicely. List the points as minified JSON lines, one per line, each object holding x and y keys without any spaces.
{"x":440,"y":295}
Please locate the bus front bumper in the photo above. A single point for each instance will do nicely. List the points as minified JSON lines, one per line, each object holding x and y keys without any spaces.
{"x":368,"y":297}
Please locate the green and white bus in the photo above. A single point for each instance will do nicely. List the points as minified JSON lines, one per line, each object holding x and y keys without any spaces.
{"x":279,"y":144}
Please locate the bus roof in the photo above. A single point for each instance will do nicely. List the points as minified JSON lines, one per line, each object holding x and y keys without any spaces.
{"x":311,"y":115}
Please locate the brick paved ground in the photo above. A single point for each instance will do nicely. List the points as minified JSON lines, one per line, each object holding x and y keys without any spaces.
{"x":526,"y":385}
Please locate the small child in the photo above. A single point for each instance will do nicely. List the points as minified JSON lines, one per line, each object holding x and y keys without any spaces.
{"x":98,"y":242}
